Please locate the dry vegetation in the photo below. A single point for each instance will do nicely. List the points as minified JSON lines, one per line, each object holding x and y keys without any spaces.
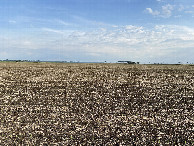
{"x":96,"y":104}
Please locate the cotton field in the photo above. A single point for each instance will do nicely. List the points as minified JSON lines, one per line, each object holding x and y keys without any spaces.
{"x":96,"y":104}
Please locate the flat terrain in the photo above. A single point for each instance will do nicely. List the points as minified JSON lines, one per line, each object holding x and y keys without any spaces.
{"x":93,"y":104}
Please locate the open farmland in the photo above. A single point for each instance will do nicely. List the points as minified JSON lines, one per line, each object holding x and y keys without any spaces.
{"x":93,"y":104}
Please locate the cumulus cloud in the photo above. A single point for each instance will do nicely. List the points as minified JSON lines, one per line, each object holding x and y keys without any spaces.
{"x":169,"y":10}
{"x":150,"y":11}
{"x":165,"y":11}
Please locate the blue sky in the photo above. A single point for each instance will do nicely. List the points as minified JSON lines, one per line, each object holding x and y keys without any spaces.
{"x":97,"y":30}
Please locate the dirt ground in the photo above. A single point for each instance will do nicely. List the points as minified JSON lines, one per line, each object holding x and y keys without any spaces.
{"x":96,"y":104}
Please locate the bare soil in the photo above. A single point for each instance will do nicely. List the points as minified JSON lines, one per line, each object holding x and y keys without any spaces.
{"x":96,"y":104}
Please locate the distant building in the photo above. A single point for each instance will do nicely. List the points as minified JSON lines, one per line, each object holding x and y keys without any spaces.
{"x":128,"y":62}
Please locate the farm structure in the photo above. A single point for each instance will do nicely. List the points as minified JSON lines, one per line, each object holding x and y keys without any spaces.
{"x":128,"y":62}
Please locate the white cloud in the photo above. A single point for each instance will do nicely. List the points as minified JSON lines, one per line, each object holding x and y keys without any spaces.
{"x":64,"y":23}
{"x":129,"y":40}
{"x":12,"y":42}
{"x":91,"y":22}
{"x":154,"y":13}
{"x":158,"y":0}
{"x":181,"y":8}
{"x":12,"y":21}
{"x":134,"y":42}
{"x":53,"y":30}
{"x":189,"y":12}
{"x":167,"y":10}
{"x":178,"y":16}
